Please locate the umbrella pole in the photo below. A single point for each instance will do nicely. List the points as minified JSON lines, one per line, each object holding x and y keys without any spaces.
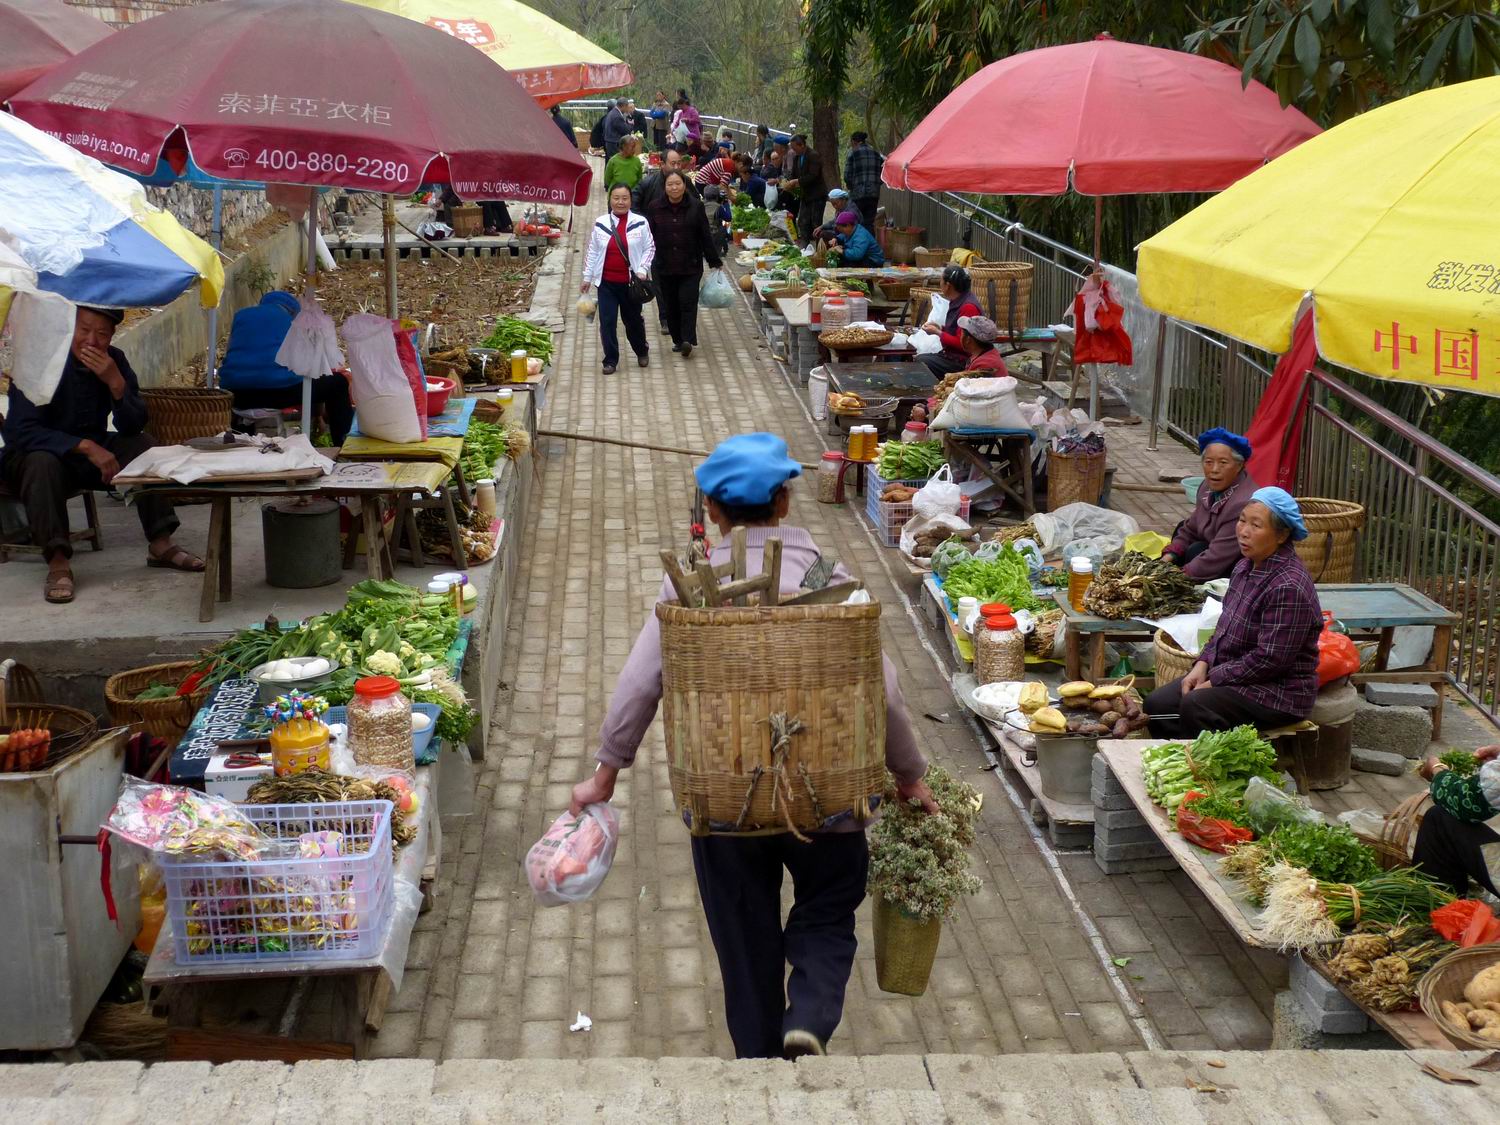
{"x":310,"y":293}
{"x":210,"y":365}
{"x":1098,"y":235}
{"x":1157,"y":373}
{"x":388,"y":230}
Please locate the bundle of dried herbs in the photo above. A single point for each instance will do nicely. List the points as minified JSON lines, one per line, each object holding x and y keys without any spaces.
{"x":1136,"y":586}
{"x":1382,"y":964}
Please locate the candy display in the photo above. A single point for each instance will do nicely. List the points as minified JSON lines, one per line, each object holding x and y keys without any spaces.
{"x":171,"y":821}
{"x":299,"y":739}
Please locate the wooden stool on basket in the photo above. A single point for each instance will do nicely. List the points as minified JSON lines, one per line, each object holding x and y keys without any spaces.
{"x":774,"y":709}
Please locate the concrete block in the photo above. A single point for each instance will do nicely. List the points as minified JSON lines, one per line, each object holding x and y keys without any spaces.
{"x":1145,"y":849}
{"x":1295,"y":1028}
{"x":1133,"y":866}
{"x":1317,"y":992}
{"x":1070,"y":835}
{"x":1114,"y":837}
{"x":1104,"y":801}
{"x":1111,"y":820}
{"x":1397,"y":730}
{"x":1401,"y":695}
{"x":99,"y":1079}
{"x":1104,"y":777}
{"x":1378,"y":761}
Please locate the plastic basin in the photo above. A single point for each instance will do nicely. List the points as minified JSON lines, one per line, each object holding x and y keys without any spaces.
{"x":437,"y":401}
{"x":1190,"y":486}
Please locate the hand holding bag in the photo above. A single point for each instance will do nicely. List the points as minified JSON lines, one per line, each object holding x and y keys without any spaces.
{"x":641,"y":291}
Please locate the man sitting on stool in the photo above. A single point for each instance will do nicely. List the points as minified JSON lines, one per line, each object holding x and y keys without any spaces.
{"x":53,"y":451}
{"x":251,"y":372}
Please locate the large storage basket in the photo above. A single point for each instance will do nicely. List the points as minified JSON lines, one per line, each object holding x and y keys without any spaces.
{"x":1074,"y":477}
{"x":1004,"y":289}
{"x":896,"y":288}
{"x":889,"y":518}
{"x":1171,"y":662}
{"x":1332,"y":541}
{"x":166,"y":719}
{"x":175,"y":414}
{"x":727,"y":672}
{"x":328,"y":909}
{"x":931,"y":259}
{"x":901,"y":243}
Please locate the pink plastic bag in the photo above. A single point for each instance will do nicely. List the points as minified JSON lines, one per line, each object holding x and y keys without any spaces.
{"x":570,"y":861}
{"x":411,"y":367}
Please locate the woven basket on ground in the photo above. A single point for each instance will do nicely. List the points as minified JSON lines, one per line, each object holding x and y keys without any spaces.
{"x":1446,"y":981}
{"x":18,"y":684}
{"x":175,"y":414}
{"x":855,"y":339}
{"x":921,"y":304}
{"x":931,"y":259}
{"x":1332,"y":541}
{"x":1398,"y":831}
{"x":1004,"y":289}
{"x":1074,"y":478}
{"x":727,"y":672}
{"x":901,"y":243}
{"x":1171,"y":662}
{"x":905,"y":949}
{"x":164,"y":718}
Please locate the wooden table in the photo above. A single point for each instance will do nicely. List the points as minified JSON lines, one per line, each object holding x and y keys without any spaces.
{"x":1002,"y":457}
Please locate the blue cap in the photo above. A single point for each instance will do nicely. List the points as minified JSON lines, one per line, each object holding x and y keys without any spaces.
{"x":1220,"y":436}
{"x":746,"y":470}
{"x":1285,"y":508}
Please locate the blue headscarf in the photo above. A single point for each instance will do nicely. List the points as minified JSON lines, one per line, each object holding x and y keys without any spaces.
{"x":1220,"y":436}
{"x":1280,"y":501}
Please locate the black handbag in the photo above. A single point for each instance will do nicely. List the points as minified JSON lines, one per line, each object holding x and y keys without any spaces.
{"x":641,"y":292}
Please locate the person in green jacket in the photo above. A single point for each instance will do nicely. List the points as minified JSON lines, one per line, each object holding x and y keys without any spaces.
{"x":625,"y":166}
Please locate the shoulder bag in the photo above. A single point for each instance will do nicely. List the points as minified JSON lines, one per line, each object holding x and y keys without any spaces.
{"x":641,"y":291}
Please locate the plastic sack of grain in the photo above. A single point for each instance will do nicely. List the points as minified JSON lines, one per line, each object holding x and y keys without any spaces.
{"x":570,"y":861}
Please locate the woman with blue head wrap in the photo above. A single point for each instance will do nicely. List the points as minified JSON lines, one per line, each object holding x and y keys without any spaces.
{"x":1204,"y":544}
{"x":1261,"y":667}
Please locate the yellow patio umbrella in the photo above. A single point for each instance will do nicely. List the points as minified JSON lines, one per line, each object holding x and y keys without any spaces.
{"x":1385,"y":224}
{"x":551,"y":62}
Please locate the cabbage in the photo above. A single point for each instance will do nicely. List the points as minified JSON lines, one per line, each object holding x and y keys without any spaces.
{"x":948,"y":552}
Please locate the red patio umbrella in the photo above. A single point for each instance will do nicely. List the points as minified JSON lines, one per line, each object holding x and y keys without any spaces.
{"x":36,"y":35}
{"x":315,"y":92}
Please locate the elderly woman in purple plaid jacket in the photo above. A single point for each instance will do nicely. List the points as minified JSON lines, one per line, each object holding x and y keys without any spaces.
{"x":1261,"y":667}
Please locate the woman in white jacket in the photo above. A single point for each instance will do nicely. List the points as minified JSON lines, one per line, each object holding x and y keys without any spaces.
{"x":617,"y":234}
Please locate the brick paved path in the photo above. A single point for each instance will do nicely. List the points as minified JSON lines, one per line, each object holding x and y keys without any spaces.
{"x":491,"y":974}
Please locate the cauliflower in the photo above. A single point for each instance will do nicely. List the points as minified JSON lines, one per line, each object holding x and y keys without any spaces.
{"x":406,"y":651}
{"x":383,"y":663}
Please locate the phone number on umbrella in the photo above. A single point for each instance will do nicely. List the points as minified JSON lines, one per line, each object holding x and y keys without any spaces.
{"x":362,"y":167}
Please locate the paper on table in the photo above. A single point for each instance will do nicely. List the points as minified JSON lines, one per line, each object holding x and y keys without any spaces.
{"x":185,"y":464}
{"x":1186,"y":627}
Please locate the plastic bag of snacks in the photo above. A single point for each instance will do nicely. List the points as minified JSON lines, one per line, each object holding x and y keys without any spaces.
{"x":170,"y":820}
{"x":570,"y":861}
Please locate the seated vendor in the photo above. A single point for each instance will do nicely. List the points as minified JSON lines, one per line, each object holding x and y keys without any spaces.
{"x":958,"y":291}
{"x":1454,"y":844}
{"x":858,"y":245}
{"x":55,"y":450}
{"x":977,"y":336}
{"x":1205,"y":544}
{"x":1261,"y":667}
{"x":823,"y":235}
{"x":257,"y":381}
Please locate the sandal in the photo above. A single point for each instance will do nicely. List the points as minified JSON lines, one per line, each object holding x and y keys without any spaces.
{"x":59,"y":588}
{"x":178,"y":558}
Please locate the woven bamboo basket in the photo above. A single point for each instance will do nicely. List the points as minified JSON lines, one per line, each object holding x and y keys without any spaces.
{"x":921,"y":304}
{"x":1332,"y":541}
{"x":727,"y":671}
{"x":1446,"y":981}
{"x":1074,"y":477}
{"x":857,"y":339}
{"x":931,"y":259}
{"x":1004,"y":288}
{"x":164,"y":718}
{"x":901,"y":243}
{"x":905,"y":949}
{"x":175,"y":414}
{"x":897,"y":288}
{"x":72,"y":729}
{"x":1398,"y":832}
{"x":1171,"y":662}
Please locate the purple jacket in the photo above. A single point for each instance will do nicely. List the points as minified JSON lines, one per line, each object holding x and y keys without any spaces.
{"x":1265,"y":647}
{"x":638,"y":689}
{"x":1213,"y":522}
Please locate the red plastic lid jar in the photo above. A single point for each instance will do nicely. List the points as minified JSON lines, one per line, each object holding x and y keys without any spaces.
{"x":833,"y":455}
{"x":1000,"y":622}
{"x":377,"y":687}
{"x":989,"y":609}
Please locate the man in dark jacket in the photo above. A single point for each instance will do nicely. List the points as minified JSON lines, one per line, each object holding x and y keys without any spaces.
{"x":862,"y":177}
{"x":617,"y":126}
{"x":564,"y":125}
{"x":806,"y":174}
{"x":53,"y":451}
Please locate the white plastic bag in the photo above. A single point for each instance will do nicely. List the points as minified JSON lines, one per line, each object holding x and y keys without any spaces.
{"x":924,"y":343}
{"x":1082,"y":521}
{"x":938,"y":497}
{"x":986,"y":402}
{"x":570,"y":861}
{"x":772,"y":195}
{"x":716,"y":292}
{"x":311,"y":346}
{"x":938,"y":313}
{"x":381,"y":390}
{"x":952,"y":524}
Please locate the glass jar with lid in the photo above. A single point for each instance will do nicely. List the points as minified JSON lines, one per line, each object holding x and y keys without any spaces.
{"x":380,"y":725}
{"x":830,"y":469}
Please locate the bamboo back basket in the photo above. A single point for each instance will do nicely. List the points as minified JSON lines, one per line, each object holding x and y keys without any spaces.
{"x":931,"y":259}
{"x":1004,"y":288}
{"x":1171,"y":662}
{"x":1074,"y":477}
{"x":901,"y":243}
{"x":732,"y":674}
{"x":1446,"y":981}
{"x":166,"y":719}
{"x":897,"y":288}
{"x":1332,"y":541}
{"x":175,"y":414}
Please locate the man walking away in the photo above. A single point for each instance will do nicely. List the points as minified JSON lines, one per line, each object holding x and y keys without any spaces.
{"x":565,"y":125}
{"x":862,"y":178}
{"x":617,"y":126}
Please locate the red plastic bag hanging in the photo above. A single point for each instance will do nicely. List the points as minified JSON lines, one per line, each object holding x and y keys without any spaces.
{"x":1099,"y":324}
{"x":1207,"y":831}
{"x":411,"y":367}
{"x":1337,"y":655}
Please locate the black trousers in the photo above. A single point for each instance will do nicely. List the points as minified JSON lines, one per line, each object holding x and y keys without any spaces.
{"x":330,"y":392}
{"x":810,"y":210}
{"x":44,"y":481}
{"x":867,"y":209}
{"x":615,"y":302}
{"x":739,"y":880}
{"x":677,"y":294}
{"x":941,"y":363}
{"x":496,"y":214}
{"x":1448,"y":849}
{"x":1208,"y":709}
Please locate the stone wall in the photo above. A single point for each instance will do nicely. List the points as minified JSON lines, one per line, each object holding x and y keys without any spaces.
{"x":130,"y":11}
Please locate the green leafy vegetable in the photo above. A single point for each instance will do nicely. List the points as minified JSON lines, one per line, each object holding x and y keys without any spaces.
{"x":948,"y":554}
{"x":1460,"y":762}
{"x":1006,"y":579}
{"x":511,"y":333}
{"x":1217,"y":806}
{"x":156,"y":690}
{"x":750,"y":218}
{"x":910,"y":460}
{"x":1330,"y":852}
{"x":1221,"y":762}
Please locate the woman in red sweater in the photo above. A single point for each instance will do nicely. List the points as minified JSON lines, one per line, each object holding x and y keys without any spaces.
{"x":619,"y":245}
{"x":958,"y":289}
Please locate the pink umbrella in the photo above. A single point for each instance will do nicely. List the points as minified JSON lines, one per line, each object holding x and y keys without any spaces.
{"x":36,"y":35}
{"x":315,"y":92}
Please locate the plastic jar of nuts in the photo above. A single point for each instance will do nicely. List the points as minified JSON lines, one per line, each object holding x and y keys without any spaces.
{"x":380,"y":725}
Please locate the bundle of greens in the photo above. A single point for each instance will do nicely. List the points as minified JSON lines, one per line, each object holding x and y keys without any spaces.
{"x":1382,"y":964}
{"x":920,"y":862}
{"x":948,"y":554}
{"x":1136,"y":586}
{"x":1460,"y":762}
{"x":1303,"y":911}
{"x":1217,"y":806}
{"x":910,"y":460}
{"x":486,"y":443}
{"x":1217,"y":762}
{"x":511,"y":333}
{"x":751,"y":219}
{"x":1005,"y":578}
{"x":1330,"y":852}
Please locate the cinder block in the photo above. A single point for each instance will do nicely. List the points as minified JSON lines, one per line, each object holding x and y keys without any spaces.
{"x":1401,"y":695}
{"x":1112,"y":820}
{"x":1110,"y":802}
{"x":1114,"y":837}
{"x":1146,"y":849}
{"x":1396,"y":730}
{"x":1378,"y":761}
{"x":1070,"y":835}
{"x":1317,"y":993}
{"x":1104,"y":777}
{"x":1132,"y":866}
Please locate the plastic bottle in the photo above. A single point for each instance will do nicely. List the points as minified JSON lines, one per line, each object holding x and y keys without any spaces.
{"x":518,"y":365}
{"x":829,"y":469}
{"x":968,"y":613}
{"x":999,"y":651}
{"x":484,"y":497}
{"x":914,"y":432}
{"x":855,"y":443}
{"x":1080,"y":577}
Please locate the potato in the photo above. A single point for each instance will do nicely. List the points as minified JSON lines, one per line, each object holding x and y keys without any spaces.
{"x":1481,"y":1018}
{"x":1110,"y":718}
{"x":1484,"y":986}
